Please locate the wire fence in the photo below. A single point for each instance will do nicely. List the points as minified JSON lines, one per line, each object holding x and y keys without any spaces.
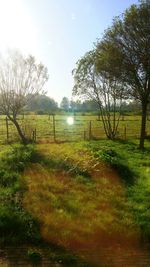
{"x":55,"y":128}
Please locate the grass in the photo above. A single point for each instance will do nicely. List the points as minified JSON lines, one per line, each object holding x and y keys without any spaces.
{"x":76,"y":132}
{"x":79,"y":196}
{"x":84,"y":215}
{"x":17,"y":224}
{"x":133,"y":167}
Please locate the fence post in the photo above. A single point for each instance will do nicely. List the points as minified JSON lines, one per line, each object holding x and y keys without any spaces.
{"x":125,"y":132}
{"x":90,"y":130}
{"x":99,"y":116}
{"x":84,"y":135}
{"x":74,"y":115}
{"x":35,"y":135}
{"x":7,"y":129}
{"x":54,"y":130}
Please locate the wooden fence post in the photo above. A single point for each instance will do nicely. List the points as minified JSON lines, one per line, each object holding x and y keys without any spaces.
{"x":99,"y":116}
{"x":90,"y":130}
{"x":34,"y":135}
{"x":7,"y":129}
{"x":84,"y":135}
{"x":54,"y":128}
{"x":125,"y":132}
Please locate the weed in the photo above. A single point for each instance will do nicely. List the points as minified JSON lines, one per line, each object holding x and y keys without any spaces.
{"x":34,"y":255}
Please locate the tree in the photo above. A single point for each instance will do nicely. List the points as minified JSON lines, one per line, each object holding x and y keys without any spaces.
{"x":21,"y":78}
{"x":64,"y":104}
{"x":89,"y":105}
{"x":96,"y":85}
{"x":124,"y":53}
{"x":42,"y":103}
{"x":76,"y":105}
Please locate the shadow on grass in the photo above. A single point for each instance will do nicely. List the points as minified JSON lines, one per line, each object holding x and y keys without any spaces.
{"x":62,"y":164}
{"x":116,"y":154}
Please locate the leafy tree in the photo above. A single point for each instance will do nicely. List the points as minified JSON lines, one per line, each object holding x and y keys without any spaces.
{"x":20,"y":79}
{"x":76,"y":105}
{"x":89,"y":105}
{"x":124,"y":53}
{"x":65,"y":104}
{"x":97,"y":86}
{"x":42,"y":103}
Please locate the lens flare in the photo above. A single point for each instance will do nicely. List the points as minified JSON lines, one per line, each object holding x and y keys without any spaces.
{"x":70,"y":120}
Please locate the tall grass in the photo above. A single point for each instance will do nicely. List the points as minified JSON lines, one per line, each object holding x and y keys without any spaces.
{"x":133,"y":167}
{"x":82,"y":212}
{"x":80,"y":196}
{"x":19,"y":225}
{"x":16,"y":224}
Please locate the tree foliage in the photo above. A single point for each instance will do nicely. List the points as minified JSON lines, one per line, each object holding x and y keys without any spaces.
{"x":20,"y":79}
{"x":124,"y":52}
{"x":42,"y":103}
{"x":106,"y":91}
{"x":65,"y":104}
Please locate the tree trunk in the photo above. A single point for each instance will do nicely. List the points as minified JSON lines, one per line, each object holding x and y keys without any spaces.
{"x":143,"y":125}
{"x":21,"y":135}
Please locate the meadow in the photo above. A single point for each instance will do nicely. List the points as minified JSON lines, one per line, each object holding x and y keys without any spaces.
{"x":86,"y":126}
{"x":91,"y":199}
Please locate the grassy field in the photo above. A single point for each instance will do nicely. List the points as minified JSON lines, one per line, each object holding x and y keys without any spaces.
{"x":129,"y":127}
{"x":81,"y":196}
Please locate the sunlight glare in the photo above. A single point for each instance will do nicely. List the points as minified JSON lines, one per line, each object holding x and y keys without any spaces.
{"x":70,"y":120}
{"x":16,"y":27}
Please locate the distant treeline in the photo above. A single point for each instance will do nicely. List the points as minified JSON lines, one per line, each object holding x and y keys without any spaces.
{"x":42,"y":104}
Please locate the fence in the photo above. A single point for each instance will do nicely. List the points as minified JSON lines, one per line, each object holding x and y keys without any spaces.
{"x":53,"y":128}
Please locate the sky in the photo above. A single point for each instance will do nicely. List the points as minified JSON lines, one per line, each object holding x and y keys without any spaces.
{"x":57,"y":32}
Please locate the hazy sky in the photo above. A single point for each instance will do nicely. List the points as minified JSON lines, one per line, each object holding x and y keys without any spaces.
{"x":57,"y":32}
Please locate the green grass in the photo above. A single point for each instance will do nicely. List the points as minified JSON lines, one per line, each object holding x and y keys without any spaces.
{"x":133,"y":166}
{"x":76,"y":132}
{"x":16,"y":224}
{"x":86,"y":197}
{"x":79,"y":196}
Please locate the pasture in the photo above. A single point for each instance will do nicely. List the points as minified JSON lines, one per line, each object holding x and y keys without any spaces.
{"x":49,"y":128}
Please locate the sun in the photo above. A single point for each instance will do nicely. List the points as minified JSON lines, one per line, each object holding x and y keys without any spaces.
{"x":70,"y":120}
{"x":16,"y":27}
